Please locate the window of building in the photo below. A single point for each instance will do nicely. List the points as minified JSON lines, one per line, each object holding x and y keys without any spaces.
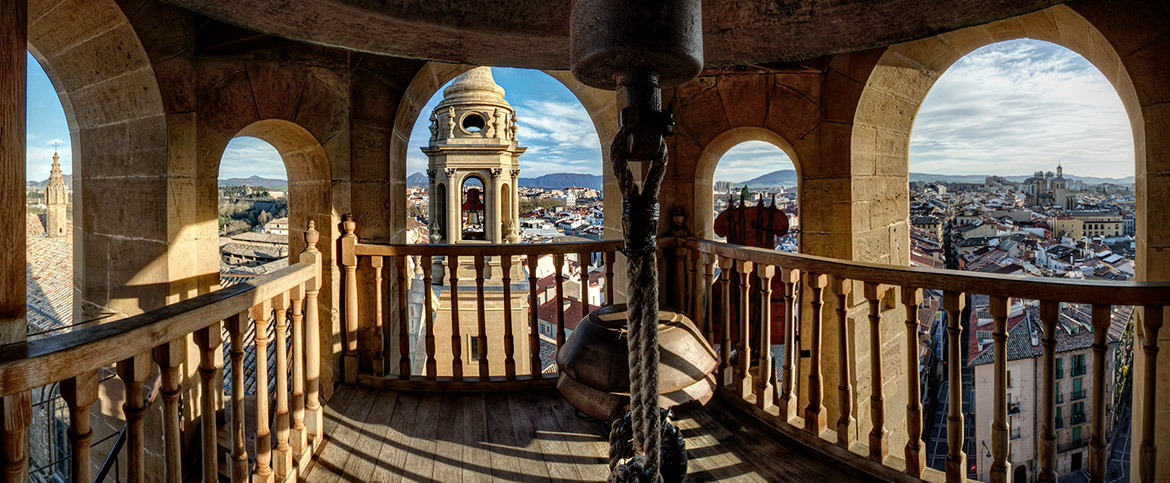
{"x":1076,"y":434}
{"x":1059,"y":371}
{"x":1009,"y":378}
{"x":1078,"y":390}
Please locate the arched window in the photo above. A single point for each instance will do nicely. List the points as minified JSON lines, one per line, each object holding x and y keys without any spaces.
{"x":253,"y":210}
{"x":473,"y":212}
{"x":755,"y":185}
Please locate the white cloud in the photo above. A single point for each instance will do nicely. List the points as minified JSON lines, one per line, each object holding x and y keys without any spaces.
{"x":749,"y":160}
{"x":248,"y":156}
{"x":1021,"y":106}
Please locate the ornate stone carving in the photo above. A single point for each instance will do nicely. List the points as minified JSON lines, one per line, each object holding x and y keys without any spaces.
{"x":496,"y":172}
{"x":450,"y":172}
{"x":498,"y":125}
{"x":515,"y":173}
{"x":514,"y":127}
{"x":431,"y":172}
{"x":434,"y":127}
{"x":450,"y":122}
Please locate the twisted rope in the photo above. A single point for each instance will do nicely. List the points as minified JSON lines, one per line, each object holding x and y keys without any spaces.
{"x":640,"y":218}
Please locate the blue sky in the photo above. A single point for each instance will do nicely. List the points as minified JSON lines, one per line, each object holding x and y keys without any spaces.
{"x":1008,"y":108}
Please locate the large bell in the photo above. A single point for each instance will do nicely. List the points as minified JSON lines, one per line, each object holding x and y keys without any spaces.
{"x":595,"y":370}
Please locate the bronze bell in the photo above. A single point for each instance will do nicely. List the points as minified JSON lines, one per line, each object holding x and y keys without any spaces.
{"x":595,"y":370}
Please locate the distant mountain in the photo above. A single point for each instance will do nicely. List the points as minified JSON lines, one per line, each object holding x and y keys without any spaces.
{"x":558,"y":181}
{"x":42,"y":184}
{"x":775,"y":179}
{"x":254,"y":181}
{"x":417,"y":179}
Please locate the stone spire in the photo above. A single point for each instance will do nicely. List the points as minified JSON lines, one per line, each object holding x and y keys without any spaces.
{"x":56,"y":199}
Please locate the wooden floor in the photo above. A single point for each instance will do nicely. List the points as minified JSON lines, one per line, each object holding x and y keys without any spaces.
{"x":378,"y":435}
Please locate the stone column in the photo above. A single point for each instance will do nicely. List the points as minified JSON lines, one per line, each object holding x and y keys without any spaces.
{"x":454,"y":208}
{"x":495,"y":208}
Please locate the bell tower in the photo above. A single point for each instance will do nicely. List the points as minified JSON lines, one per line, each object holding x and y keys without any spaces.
{"x":474,"y":162}
{"x":56,"y":199}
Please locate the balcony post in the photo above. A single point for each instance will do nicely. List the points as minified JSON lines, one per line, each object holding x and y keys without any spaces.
{"x":282,"y":452}
{"x":168,"y":356}
{"x":80,"y":392}
{"x":404,"y":369}
{"x":379,"y":360}
{"x":725,"y":371}
{"x":429,"y":318}
{"x":15,"y":410}
{"x":456,"y":328}
{"x":237,"y":326}
{"x":708,"y":307}
{"x":1000,"y":467}
{"x":786,"y":400}
{"x":743,"y":379}
{"x":509,"y":335}
{"x":349,"y":260}
{"x":764,"y":372}
{"x":1049,"y":313}
{"x":878,"y":442}
{"x":133,"y":372}
{"x":298,"y":437}
{"x":481,"y":341}
{"x":315,"y":418}
{"x":956,"y":466}
{"x":209,"y":339}
{"x":1102,"y":315}
{"x":815,"y":417}
{"x":915,"y":448}
{"x":534,"y":362}
{"x":847,"y":423}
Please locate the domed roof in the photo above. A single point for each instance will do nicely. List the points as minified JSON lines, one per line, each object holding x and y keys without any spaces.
{"x":475,"y":85}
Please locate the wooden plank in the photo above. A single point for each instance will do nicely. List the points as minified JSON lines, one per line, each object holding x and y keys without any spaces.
{"x":375,"y":428}
{"x":477,"y":462}
{"x":364,"y":443}
{"x":420,"y":462}
{"x":331,"y":459}
{"x":524,"y":432}
{"x":448,"y":445}
{"x":506,"y":466}
{"x":397,"y":440}
{"x":560,"y":461}
{"x":584,"y":438}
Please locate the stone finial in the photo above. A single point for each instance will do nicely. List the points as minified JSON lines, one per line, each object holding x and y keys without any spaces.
{"x":435,"y":232}
{"x":514,"y":127}
{"x":311,"y":236}
{"x":348,"y":224}
{"x":498,"y":125}
{"x":450,"y":122}
{"x":434,"y":127}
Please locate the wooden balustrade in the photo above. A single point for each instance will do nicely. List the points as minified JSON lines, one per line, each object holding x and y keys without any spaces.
{"x":818,"y":274}
{"x":135,"y":345}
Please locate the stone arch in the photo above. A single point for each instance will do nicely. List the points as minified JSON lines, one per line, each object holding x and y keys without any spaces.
{"x":117,"y":125}
{"x":601,"y":106}
{"x":899,"y":82}
{"x":307,"y":167}
{"x":464,"y":182}
{"x":709,"y":160}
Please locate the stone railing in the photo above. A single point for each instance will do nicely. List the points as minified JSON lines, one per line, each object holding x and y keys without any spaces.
{"x":159,"y":338}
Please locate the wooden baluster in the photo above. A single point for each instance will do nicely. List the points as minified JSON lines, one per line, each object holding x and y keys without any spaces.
{"x":708,"y":298}
{"x":282,"y":454}
{"x":743,"y":382}
{"x":315,"y":418}
{"x":879,"y":445}
{"x":694,"y":302}
{"x":16,"y":416}
{"x":915,"y":448}
{"x":583,"y":261}
{"x":208,"y":339}
{"x":429,"y":314}
{"x":456,"y":329}
{"x":764,"y":372}
{"x":237,"y":326}
{"x":481,"y":341}
{"x":263,"y":470}
{"x":349,"y":260}
{"x":847,"y":423}
{"x":80,"y":392}
{"x":509,"y":336}
{"x":1102,"y":315}
{"x":1151,"y":323}
{"x":956,"y":462}
{"x":1049,"y":315}
{"x":379,"y":359}
{"x":533,"y":321}
{"x":726,"y":372}
{"x":404,"y":369}
{"x":609,"y":289}
{"x":169,"y":356}
{"x":298,"y":436}
{"x":1000,"y":429}
{"x":133,"y":372}
{"x":559,"y":261}
{"x":786,"y":398}
{"x":815,"y":416}
{"x":680,"y":278}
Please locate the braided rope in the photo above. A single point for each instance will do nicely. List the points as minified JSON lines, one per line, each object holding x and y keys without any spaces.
{"x":642,"y":316}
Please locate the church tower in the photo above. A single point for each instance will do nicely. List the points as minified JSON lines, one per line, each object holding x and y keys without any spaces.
{"x":1060,"y":188}
{"x":56,"y":198}
{"x":474,"y":163}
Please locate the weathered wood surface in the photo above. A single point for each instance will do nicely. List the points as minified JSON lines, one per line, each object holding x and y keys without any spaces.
{"x":382,"y":435}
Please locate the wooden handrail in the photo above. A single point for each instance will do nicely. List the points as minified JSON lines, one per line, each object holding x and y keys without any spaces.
{"x":1013,"y":286}
{"x":482,"y":249}
{"x":35,"y":363}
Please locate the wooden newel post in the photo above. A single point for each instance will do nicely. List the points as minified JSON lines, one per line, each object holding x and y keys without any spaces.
{"x":314,"y":418}
{"x":349,"y":260}
{"x":915,"y":448}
